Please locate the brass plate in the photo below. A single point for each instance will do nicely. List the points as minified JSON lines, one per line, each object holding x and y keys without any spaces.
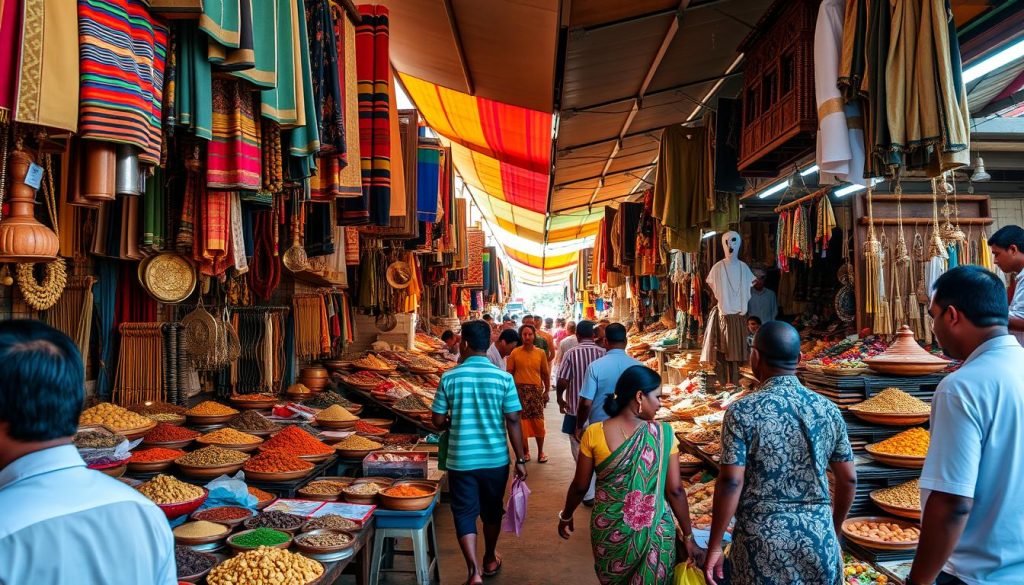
{"x":170,"y":278}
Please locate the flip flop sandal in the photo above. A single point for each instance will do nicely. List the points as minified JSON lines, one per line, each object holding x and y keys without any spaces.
{"x":542,"y":459}
{"x":526,"y":457}
{"x":496,"y":570}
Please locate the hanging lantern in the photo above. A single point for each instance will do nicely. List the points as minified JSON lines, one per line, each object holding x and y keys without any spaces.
{"x":22,"y":237}
{"x":979,"y":170}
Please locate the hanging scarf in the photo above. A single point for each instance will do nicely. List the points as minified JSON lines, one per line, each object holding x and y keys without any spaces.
{"x":237,"y":237}
{"x":193,"y":89}
{"x":212,"y":249}
{"x":374,"y":71}
{"x":265,"y":270}
{"x":233,"y":155}
{"x":281,"y":103}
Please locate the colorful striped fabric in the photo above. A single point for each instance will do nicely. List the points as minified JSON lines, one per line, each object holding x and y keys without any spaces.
{"x":373,"y":68}
{"x":233,"y":154}
{"x":123,"y":52}
{"x":428,"y":182}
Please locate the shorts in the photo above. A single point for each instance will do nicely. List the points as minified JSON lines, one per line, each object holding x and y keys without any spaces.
{"x":569,"y":424}
{"x":477,"y":492}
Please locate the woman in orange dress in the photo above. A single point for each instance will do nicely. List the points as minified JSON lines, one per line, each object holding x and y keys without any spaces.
{"x":531,"y":371}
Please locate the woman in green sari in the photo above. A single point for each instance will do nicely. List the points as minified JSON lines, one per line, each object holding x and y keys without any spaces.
{"x":638,"y":487}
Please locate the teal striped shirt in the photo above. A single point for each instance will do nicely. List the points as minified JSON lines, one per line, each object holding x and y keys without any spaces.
{"x":478,"y":395}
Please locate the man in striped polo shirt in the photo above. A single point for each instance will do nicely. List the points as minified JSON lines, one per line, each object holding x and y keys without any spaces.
{"x":571,"y":374}
{"x":477,"y":402}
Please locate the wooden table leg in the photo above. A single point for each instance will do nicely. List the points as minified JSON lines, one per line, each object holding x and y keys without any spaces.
{"x":362,"y":569}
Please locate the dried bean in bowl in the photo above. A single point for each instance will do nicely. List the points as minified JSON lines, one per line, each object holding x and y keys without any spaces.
{"x":326,"y":539}
{"x":191,"y":562}
{"x":276,"y":519}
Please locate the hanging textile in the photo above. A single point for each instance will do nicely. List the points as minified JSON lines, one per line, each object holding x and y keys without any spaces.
{"x":265,"y":268}
{"x":123,"y":53}
{"x":193,"y":91}
{"x":349,"y":173}
{"x":304,"y":137}
{"x":319,"y":232}
{"x":41,"y":84}
{"x":728,"y":122}
{"x":222,"y":20}
{"x":428,"y":176}
{"x":325,"y":71}
{"x":212,"y":246}
{"x":684,"y":199}
{"x":233,"y":155}
{"x":374,"y":71}
{"x":281,"y":103}
{"x":241,"y":55}
{"x":154,"y":204}
{"x":237,"y":239}
{"x":258,"y":63}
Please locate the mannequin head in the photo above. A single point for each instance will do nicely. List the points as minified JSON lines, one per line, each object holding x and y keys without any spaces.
{"x":731,"y":242}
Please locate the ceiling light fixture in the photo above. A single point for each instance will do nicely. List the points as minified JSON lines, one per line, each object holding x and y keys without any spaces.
{"x":708,"y":235}
{"x":773,"y":189}
{"x":849,"y":189}
{"x":979,"y":170}
{"x":809,"y":171}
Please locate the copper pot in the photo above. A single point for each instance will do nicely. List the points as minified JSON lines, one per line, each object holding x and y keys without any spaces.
{"x":22,"y":237}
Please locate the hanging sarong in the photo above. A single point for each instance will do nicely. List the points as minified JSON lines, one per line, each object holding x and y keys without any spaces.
{"x":193,"y":92}
{"x":123,"y":53}
{"x":237,"y":237}
{"x":212,"y":248}
{"x":325,"y":71}
{"x":233,"y":155}
{"x":350,"y":181}
{"x":281,"y":103}
{"x":221,"y":19}
{"x":262,"y":71}
{"x":374,"y":71}
{"x":243,"y":56}
{"x":304,"y":138}
{"x":43,"y":84}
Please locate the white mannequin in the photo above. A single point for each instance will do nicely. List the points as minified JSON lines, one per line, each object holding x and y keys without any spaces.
{"x":730,"y":280}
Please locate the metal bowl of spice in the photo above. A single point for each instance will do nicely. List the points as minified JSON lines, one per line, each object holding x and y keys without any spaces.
{"x":277,"y":520}
{"x":226,"y":515}
{"x":192,"y":565}
{"x":257,"y":537}
{"x":200,"y":532}
{"x":323,"y":541}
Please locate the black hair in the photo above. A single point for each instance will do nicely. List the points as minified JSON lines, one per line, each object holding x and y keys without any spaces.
{"x":634,"y":379}
{"x":42,"y":381}
{"x":549,"y":320}
{"x":447,"y":335}
{"x":755,"y":319}
{"x":615,"y":333}
{"x":487,"y":317}
{"x":977,"y":293}
{"x":477,"y":334}
{"x":530,"y":327}
{"x":509,"y":336}
{"x":506,"y":318}
{"x":778,"y":344}
{"x":527,"y":316}
{"x":585,"y":329}
{"x":560,"y":320}
{"x":1008,"y":235}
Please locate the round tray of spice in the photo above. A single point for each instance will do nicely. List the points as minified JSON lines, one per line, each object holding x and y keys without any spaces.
{"x":277,"y":520}
{"x":701,"y":437}
{"x":299,"y":443}
{"x":192,"y":565}
{"x":411,"y":405}
{"x":323,"y":541}
{"x":114,"y":469}
{"x":263,"y":499}
{"x":231,"y":439}
{"x":209,"y":413}
{"x":903,"y":500}
{"x":324,"y":490}
{"x":356,"y":447}
{"x":393,"y":440}
{"x":408,"y":496}
{"x":365,"y":429}
{"x":160,"y":412}
{"x":120,"y":420}
{"x":173,"y":496}
{"x":257,"y":537}
{"x":882,"y":533}
{"x":226,"y":515}
{"x":328,"y":398}
{"x":384,"y":423}
{"x":893,"y":407}
{"x":276,"y":465}
{"x":210,"y":462}
{"x":907,"y":449}
{"x":266,"y":565}
{"x":373,"y":363}
{"x":153,"y":459}
{"x":253,"y":401}
{"x":298,"y":392}
{"x":335,"y":417}
{"x":363,"y":380}
{"x":254,"y":423}
{"x":330,"y":522}
{"x":365,"y":490}
{"x":169,"y":436}
{"x":200,"y":532}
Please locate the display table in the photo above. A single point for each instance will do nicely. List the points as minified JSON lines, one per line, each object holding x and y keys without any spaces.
{"x":359,"y":560}
{"x":366,"y":395}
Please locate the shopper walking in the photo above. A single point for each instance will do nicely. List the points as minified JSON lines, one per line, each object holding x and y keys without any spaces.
{"x":568,"y":342}
{"x":1008,"y":254}
{"x":601,"y":377}
{"x":571,"y":373}
{"x":972,"y":484}
{"x":560,"y":331}
{"x":532,"y":374}
{"x":499,"y":350}
{"x":638,"y":487}
{"x":777,"y":444}
{"x":548,"y":344}
{"x":478,"y":404}
{"x":62,"y":523}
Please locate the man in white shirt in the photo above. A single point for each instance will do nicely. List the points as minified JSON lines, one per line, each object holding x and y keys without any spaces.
{"x":972,"y":484}
{"x":763,"y":303}
{"x":568,"y":342}
{"x":62,"y":523}
{"x":1008,"y":254}
{"x":499,"y":350}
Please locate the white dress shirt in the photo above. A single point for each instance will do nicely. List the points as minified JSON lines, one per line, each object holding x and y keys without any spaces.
{"x":1017,"y":305}
{"x":65,"y":524}
{"x":495,"y":356}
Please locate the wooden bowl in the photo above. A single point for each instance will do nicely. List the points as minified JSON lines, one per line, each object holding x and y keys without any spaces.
{"x":264,"y":503}
{"x":239,"y":548}
{"x":182,"y":508}
{"x":314,"y":384}
{"x":214,"y":561}
{"x":198,"y":515}
{"x":209,"y":472}
{"x":305,"y":495}
{"x":114,"y":471}
{"x":263,"y":403}
{"x":317,"y":458}
{"x":132,"y":434}
{"x":341,"y":425}
{"x":258,"y":433}
{"x":319,"y":550}
{"x":356,"y":454}
{"x":336,"y":364}
{"x":277,"y":475}
{"x":314,"y":372}
{"x":908,"y":513}
{"x":168,"y":444}
{"x":149,"y":466}
{"x":194,"y":540}
{"x":893,"y":420}
{"x":243,"y":447}
{"x":408,"y":503}
{"x":874,"y":544}
{"x":299,"y":396}
{"x":384,"y":423}
{"x":250,"y":524}
{"x":176,"y":419}
{"x":208,"y":419}
{"x":904,"y":461}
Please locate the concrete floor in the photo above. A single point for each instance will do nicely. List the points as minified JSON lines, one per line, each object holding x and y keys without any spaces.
{"x":539,"y":556}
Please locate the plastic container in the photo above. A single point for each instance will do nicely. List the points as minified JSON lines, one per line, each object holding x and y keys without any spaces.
{"x":412,"y":465}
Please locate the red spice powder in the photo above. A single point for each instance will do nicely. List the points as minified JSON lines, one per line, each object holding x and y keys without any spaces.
{"x":165,"y":432}
{"x":223,"y":513}
{"x":276,"y":460}
{"x":297,"y":442}
{"x":368,"y":429}
{"x":155,"y":454}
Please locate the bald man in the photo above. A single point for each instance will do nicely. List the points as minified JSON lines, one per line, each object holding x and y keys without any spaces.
{"x":777,"y":444}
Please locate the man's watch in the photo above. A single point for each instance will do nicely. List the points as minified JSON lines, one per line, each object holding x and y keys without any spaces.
{"x":520,"y":461}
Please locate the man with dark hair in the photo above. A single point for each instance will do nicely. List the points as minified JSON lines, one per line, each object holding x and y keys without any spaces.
{"x":477,"y":404}
{"x":451,"y":345}
{"x":499,"y":350}
{"x":63,"y":523}
{"x":972,"y":484}
{"x":568,"y":342}
{"x":1008,"y":254}
{"x":507,"y":323}
{"x":488,"y":318}
{"x":777,"y":443}
{"x":599,"y":335}
{"x":601,"y":376}
{"x":571,"y":373}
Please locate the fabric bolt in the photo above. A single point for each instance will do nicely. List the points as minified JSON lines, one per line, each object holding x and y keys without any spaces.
{"x":241,"y":56}
{"x":477,"y":396}
{"x":632,"y":529}
{"x":374,"y":71}
{"x":600,"y":380}
{"x":784,"y":531}
{"x":573,"y":368}
{"x":123,"y":52}
{"x":43,"y":80}
{"x":282,"y":103}
{"x":233,"y":154}
{"x":193,"y":88}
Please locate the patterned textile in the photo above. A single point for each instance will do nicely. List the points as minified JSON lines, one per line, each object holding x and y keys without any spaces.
{"x":212,"y":248}
{"x":123,"y":52}
{"x":326,"y":74}
{"x":10,"y":36}
{"x":237,"y":239}
{"x":785,"y":436}
{"x":632,"y":530}
{"x":351,"y":246}
{"x":475,"y":269}
{"x":304,"y":137}
{"x":41,"y":83}
{"x":262,"y":62}
{"x":532,"y":419}
{"x":373,"y":68}
{"x":221,"y":19}
{"x":233,"y":155}
{"x":428,"y":182}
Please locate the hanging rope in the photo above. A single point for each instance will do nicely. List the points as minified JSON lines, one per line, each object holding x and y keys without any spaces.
{"x":872,"y":264}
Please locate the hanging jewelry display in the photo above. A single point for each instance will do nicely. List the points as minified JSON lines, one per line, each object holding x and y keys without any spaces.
{"x":872,"y":265}
{"x":295,"y":258}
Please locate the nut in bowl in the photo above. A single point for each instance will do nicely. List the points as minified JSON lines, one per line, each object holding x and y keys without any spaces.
{"x":882,"y":533}
{"x":323,"y":541}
